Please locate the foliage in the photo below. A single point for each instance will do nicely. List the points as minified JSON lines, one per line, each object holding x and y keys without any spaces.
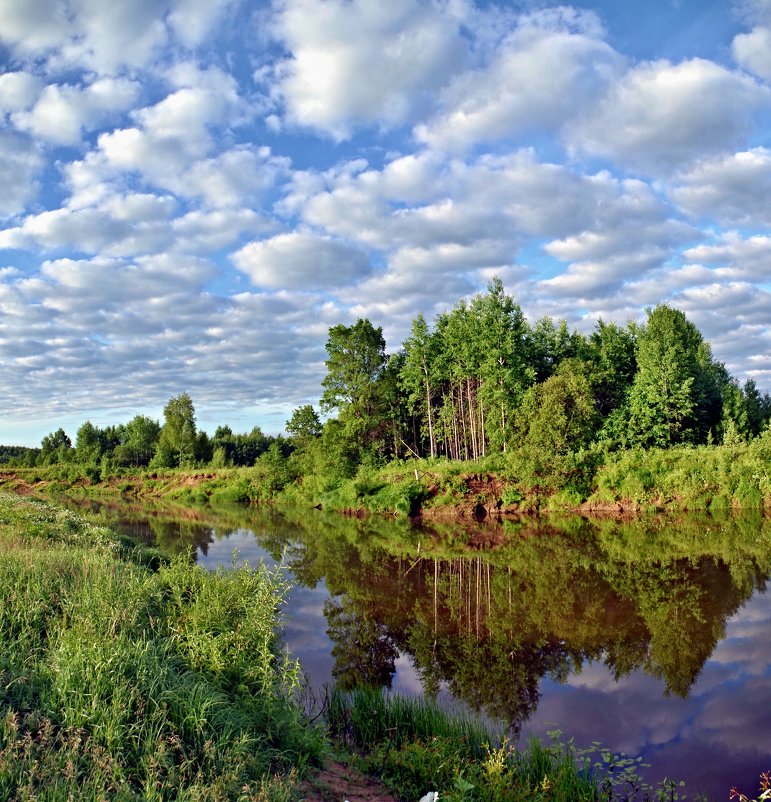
{"x":125,"y":684}
{"x":304,"y":425}
{"x":178,"y":438}
{"x":415,"y":746}
{"x":676,"y":394}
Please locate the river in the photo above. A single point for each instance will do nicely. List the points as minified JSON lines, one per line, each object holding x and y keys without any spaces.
{"x":652,"y":637}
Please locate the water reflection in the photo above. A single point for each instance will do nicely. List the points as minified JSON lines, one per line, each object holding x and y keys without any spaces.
{"x":611,"y":631}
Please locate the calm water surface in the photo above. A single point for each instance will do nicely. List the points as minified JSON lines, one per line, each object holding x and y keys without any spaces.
{"x":652,"y":637}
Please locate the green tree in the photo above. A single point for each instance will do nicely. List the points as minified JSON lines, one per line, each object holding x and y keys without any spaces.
{"x":303,"y":426}
{"x":417,"y":379}
{"x":549,"y":343}
{"x":55,"y":447}
{"x":90,"y":444}
{"x":676,"y":392}
{"x":356,"y":359}
{"x":140,"y":439}
{"x":611,"y":353}
{"x":504,"y":371}
{"x":178,"y":438}
{"x":557,"y":417}
{"x":757,"y":407}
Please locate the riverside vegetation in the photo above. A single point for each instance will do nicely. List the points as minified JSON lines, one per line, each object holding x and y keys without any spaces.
{"x":482,"y":414}
{"x":127,"y":675}
{"x":484,"y":410}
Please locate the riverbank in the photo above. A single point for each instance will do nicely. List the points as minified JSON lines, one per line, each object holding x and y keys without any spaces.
{"x":128,"y":675}
{"x":727,"y":477}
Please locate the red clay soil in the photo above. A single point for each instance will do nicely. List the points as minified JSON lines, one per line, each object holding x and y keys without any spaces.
{"x":337,"y":783}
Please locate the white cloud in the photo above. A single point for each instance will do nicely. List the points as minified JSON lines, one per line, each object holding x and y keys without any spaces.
{"x":541,"y":75}
{"x":61,"y":113}
{"x":109,"y":36}
{"x":121,"y":226}
{"x":18,"y":91}
{"x":747,"y":258}
{"x":660,"y":116}
{"x":20,"y":165}
{"x":193,"y":20}
{"x":106,"y":37}
{"x":210,"y":231}
{"x":34,"y":25}
{"x":171,"y":149}
{"x":232,"y":178}
{"x":753,"y":51}
{"x":732,"y":189}
{"x":364,"y":62}
{"x":302,"y":261}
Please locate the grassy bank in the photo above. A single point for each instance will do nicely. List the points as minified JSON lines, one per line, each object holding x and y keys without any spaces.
{"x":694,"y":478}
{"x":122,"y":682}
{"x":415,"y":747}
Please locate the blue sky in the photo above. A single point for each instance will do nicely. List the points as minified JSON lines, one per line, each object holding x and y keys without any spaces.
{"x":195,"y":190}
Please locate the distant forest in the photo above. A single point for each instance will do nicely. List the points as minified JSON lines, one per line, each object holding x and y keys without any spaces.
{"x":480,"y":380}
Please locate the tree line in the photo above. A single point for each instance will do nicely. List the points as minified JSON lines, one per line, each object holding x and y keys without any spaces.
{"x":479,"y":381}
{"x":482,"y":380}
{"x":144,"y":442}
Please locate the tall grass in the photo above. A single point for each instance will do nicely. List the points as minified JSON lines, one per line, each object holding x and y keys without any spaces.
{"x":119,"y":682}
{"x":416,"y":746}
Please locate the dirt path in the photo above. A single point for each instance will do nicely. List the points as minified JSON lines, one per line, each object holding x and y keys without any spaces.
{"x":337,"y":783}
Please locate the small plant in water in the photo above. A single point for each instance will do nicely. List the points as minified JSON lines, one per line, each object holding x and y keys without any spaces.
{"x":765,"y":790}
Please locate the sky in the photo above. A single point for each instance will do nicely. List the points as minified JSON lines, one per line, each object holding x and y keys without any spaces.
{"x":194,"y":191}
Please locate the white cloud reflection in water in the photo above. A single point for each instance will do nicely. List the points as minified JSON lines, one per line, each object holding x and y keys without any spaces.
{"x":721,"y":727}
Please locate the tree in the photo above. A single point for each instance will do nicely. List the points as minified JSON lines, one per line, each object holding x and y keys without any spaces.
{"x":178,"y":438}
{"x":304,"y":425}
{"x":757,"y":406}
{"x":559,"y":414}
{"x":549,"y":343}
{"x":417,"y":375}
{"x":140,"y":438}
{"x":611,"y":353}
{"x":90,"y":444}
{"x":55,"y":447}
{"x":504,"y":372}
{"x":356,"y":360}
{"x":672,"y":399}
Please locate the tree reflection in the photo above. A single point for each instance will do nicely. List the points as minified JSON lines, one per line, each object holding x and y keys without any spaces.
{"x":489,"y":611}
{"x":364,"y":650}
{"x":491,"y":626}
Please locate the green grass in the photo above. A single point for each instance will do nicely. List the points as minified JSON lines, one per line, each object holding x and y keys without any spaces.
{"x":415,"y":747}
{"x":120,"y":682}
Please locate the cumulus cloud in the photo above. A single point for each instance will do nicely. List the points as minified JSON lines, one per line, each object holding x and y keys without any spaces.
{"x":302,"y":261}
{"x":209,"y":231}
{"x":659,"y":116}
{"x":748,"y":258}
{"x":753,"y":51}
{"x":548,"y":68}
{"x":18,"y":91}
{"x":105,"y":37}
{"x":20,"y":166}
{"x":363,"y":62}
{"x":62,"y":112}
{"x":33,"y":26}
{"x":171,"y":148}
{"x":731,"y":189}
{"x":451,"y":119}
{"x":192,"y":20}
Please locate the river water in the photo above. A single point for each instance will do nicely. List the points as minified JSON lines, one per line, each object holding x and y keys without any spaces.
{"x":652,"y":637}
